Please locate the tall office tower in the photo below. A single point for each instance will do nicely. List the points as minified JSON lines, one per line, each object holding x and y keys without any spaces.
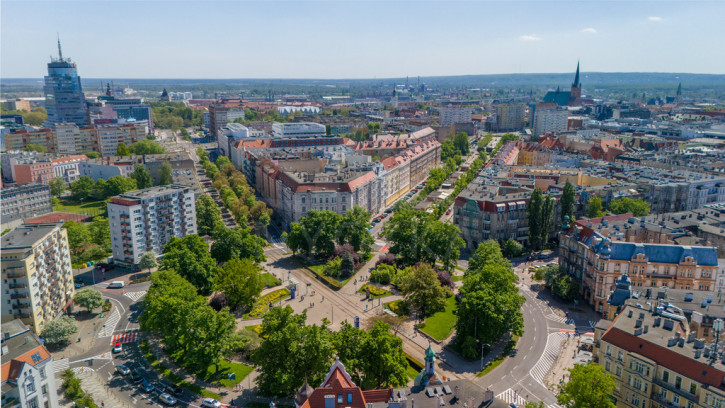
{"x":64,"y":98}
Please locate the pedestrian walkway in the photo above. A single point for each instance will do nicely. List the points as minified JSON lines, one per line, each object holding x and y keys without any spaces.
{"x":512,"y":397}
{"x":60,"y":365}
{"x":547,"y":359}
{"x":105,"y":356}
{"x":110,"y":325}
{"x":79,"y":370}
{"x":123,"y":338}
{"x":135,"y":296}
{"x":92,"y":383}
{"x":557,"y":318}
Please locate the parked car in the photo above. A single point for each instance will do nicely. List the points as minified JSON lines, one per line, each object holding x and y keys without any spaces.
{"x":448,"y":212}
{"x":146,"y":385}
{"x":173,"y":389}
{"x":167,"y":399}
{"x":136,"y":376}
{"x":211,"y":403}
{"x":388,"y":210}
{"x":123,"y":370}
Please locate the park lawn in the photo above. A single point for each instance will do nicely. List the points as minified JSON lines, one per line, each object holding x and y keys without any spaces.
{"x":457,"y":278}
{"x":225,"y":368}
{"x":440,"y":325}
{"x":93,"y":208}
{"x":375,"y":291}
{"x":414,"y":366}
{"x":269,"y":281}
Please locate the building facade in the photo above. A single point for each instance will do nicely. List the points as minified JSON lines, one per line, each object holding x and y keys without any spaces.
{"x":220,"y":114}
{"x":146,"y":220}
{"x":298,"y":130}
{"x":64,"y":99}
{"x":549,"y":118}
{"x":451,"y":116}
{"x":510,"y":117}
{"x":28,"y":377}
{"x":37,"y":274}
{"x":20,"y":138}
{"x":26,"y":201}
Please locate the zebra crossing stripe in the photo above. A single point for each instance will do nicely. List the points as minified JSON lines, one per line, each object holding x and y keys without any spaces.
{"x":511,"y":397}
{"x":78,"y":370}
{"x":135,"y":296}
{"x":111,"y":323}
{"x":60,"y":365}
{"x":547,"y":359}
{"x":555,"y":318}
{"x":124,"y":338}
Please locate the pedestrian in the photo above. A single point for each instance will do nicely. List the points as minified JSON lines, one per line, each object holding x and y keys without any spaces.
{"x":323,"y":298}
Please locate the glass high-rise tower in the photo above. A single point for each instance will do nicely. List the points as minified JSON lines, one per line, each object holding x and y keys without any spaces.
{"x":64,"y":98}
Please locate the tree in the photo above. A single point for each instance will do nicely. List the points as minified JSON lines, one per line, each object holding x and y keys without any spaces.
{"x":92,"y":155}
{"x":237,"y":243}
{"x":100,"y":232}
{"x":240,"y":281}
{"x":202,"y":154}
{"x":534,"y":214}
{"x":448,"y":150}
{"x":589,"y":386}
{"x":34,"y":148}
{"x":423,"y":290}
{"x":57,"y":186}
{"x":58,"y":331}
{"x":512,"y":248}
{"x":208,"y":215}
{"x":308,"y":352}
{"x":78,"y":235}
{"x":207,"y":336}
{"x":88,"y":299}
{"x":165,"y":176}
{"x":81,"y":188}
{"x":314,"y":233}
{"x":530,"y":404}
{"x":487,"y":253}
{"x":354,"y":230}
{"x":122,"y":150}
{"x":383,"y":273}
{"x":190,"y":257}
{"x":259,"y":217}
{"x":146,"y":146}
{"x":142,"y":177}
{"x":118,"y":185}
{"x":594,"y":207}
{"x":347,"y":266}
{"x":547,"y":218}
{"x":636,"y":206}
{"x":222,"y":161}
{"x":490,"y":307}
{"x":567,"y":201}
{"x":460,"y":141}
{"x":148,"y":261}
{"x":443,"y":243}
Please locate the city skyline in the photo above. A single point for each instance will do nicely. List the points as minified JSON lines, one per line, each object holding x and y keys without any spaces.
{"x":430,"y":39}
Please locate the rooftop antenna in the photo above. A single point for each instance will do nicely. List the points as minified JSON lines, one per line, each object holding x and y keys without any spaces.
{"x":60,"y":51}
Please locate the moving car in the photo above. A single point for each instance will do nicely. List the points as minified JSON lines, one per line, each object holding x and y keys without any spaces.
{"x":123,"y":370}
{"x":117,"y":348}
{"x":167,"y":399}
{"x":211,"y":403}
{"x":116,"y":285}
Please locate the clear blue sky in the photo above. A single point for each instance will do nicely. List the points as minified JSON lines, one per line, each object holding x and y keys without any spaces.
{"x":360,"y":39}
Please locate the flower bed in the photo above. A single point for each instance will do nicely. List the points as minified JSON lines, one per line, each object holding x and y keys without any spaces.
{"x":262,"y":304}
{"x":375,"y":291}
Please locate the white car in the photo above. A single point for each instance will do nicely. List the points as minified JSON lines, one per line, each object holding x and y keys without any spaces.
{"x":167,"y":399}
{"x":211,"y":403}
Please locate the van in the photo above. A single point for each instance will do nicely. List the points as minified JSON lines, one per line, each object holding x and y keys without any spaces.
{"x":116,"y":285}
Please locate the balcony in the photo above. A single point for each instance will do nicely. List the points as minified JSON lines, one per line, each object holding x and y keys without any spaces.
{"x":18,"y":295}
{"x":20,"y":305}
{"x":21,"y":315}
{"x":679,"y":391}
{"x":13,"y":275}
{"x":661,"y":275}
{"x":125,"y":224}
{"x":18,"y":285}
{"x":124,"y":216}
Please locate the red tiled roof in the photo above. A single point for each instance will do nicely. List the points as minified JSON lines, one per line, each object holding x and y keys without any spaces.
{"x":10,"y":369}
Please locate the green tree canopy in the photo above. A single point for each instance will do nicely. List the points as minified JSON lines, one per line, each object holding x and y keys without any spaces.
{"x":148,"y":261}
{"x":423,"y":290}
{"x":237,"y":243}
{"x":567,"y":201}
{"x":34,"y":148}
{"x":208,"y":215}
{"x":353,"y":230}
{"x":57,"y":186}
{"x":534,"y":212}
{"x":81,"y":188}
{"x":594,"y":207}
{"x":118,"y":185}
{"x":100,"y":232}
{"x":589,"y":386}
{"x":240,"y":281}
{"x":78,"y":235}
{"x":89,"y":299}
{"x":122,"y":150}
{"x":165,"y":177}
{"x":314,"y":233}
{"x":636,"y":206}
{"x":146,"y":146}
{"x":142,"y":177}
{"x":58,"y":331}
{"x":222,"y":161}
{"x":460,"y":141}
{"x":190,"y":257}
{"x":512,"y":248}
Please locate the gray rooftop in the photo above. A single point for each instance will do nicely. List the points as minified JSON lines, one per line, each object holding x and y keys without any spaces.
{"x":152,"y":192}
{"x":21,"y":340}
{"x":26,"y":236}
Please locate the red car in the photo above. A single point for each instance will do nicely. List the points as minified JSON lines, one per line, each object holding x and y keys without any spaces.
{"x":448,"y":212}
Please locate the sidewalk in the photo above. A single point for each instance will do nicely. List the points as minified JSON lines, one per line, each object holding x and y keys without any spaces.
{"x":85,"y":339}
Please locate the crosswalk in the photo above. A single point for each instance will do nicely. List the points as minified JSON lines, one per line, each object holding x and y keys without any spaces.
{"x":559,"y":319}
{"x":547,"y":359}
{"x":60,"y":365}
{"x":104,"y":356}
{"x":135,"y":296}
{"x":111,"y":323}
{"x":592,"y":323}
{"x":124,"y":338}
{"x":512,"y":397}
{"x":78,"y":370}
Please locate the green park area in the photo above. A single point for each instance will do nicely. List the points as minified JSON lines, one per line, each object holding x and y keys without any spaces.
{"x":91,"y":208}
{"x":441,"y":324}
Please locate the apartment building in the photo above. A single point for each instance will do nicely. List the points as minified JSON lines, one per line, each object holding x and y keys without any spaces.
{"x":222,"y":113}
{"x":451,"y":116}
{"x":37,"y":274}
{"x":25,"y":201}
{"x":598,"y":262}
{"x":20,"y":138}
{"x":397,"y":178}
{"x":28,"y":377}
{"x":298,"y":130}
{"x":549,"y":118}
{"x":110,"y":136}
{"x":67,"y":167}
{"x":72,"y":139}
{"x":510,"y":117}
{"x":657,"y":361}
{"x":145,"y":220}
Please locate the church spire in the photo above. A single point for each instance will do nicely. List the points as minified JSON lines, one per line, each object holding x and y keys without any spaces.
{"x":576,"y":77}
{"x":679,"y":89}
{"x":60,"y":51}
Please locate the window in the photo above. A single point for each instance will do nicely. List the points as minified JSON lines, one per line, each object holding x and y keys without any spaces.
{"x":349,"y":398}
{"x":678,"y":382}
{"x":339,"y":398}
{"x":608,"y":365}
{"x":31,"y":385}
{"x":676,"y":400}
{"x":33,"y":403}
{"x":693,"y":388}
{"x":666,"y":376}
{"x":618,"y":371}
{"x":45,"y":390}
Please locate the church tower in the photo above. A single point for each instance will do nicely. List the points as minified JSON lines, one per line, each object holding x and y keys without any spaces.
{"x":575,"y":96}
{"x":678,"y":96}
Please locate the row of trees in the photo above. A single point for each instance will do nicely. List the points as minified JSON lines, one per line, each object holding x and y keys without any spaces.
{"x":417,"y":236}
{"x":559,"y":282}
{"x":319,"y":231}
{"x":145,"y":146}
{"x":458,"y":186}
{"x":458,"y":145}
{"x":88,"y":242}
{"x":101,"y":189}
{"x":540,"y":213}
{"x":636,"y":206}
{"x":374,"y":357}
{"x":490,"y":303}
{"x":35,"y":117}
{"x":175,"y":115}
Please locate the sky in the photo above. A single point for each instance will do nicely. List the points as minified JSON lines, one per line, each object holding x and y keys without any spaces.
{"x":360,"y":39}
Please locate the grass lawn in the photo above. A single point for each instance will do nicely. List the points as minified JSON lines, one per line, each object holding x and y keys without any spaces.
{"x":414,"y":367}
{"x":269,"y":281}
{"x":93,"y":208}
{"x":495,"y":363}
{"x":375,"y":291}
{"x":440,"y":325}
{"x":225,"y":368}
{"x":457,"y":278}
